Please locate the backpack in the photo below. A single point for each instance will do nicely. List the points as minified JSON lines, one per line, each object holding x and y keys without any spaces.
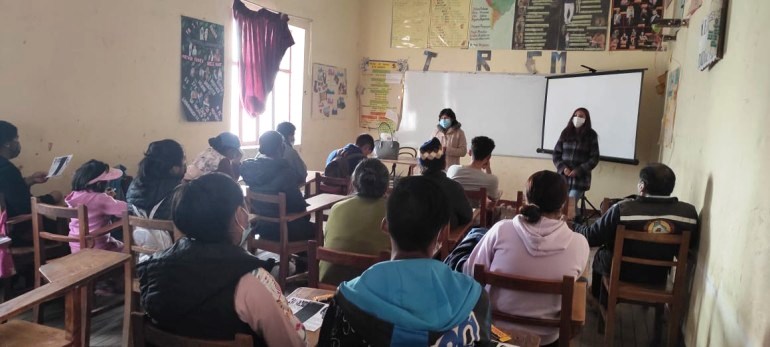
{"x":339,"y":167}
{"x":153,"y":239}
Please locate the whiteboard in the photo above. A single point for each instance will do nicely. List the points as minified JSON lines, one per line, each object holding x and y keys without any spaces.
{"x":505,"y":107}
{"x":612,"y":100}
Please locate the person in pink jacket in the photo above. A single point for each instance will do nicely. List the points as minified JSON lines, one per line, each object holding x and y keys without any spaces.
{"x":538,"y":244}
{"x":88,"y":188}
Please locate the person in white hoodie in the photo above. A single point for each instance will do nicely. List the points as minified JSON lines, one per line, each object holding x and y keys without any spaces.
{"x":538,"y":244}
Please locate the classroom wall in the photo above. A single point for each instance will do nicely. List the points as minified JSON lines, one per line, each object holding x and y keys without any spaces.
{"x":609,"y":179}
{"x":100,"y":79}
{"x":719,"y":154}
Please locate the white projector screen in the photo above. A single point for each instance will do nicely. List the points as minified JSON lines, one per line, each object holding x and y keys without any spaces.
{"x":612,"y":98}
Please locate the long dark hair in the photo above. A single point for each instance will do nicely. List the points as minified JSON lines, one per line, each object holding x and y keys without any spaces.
{"x":546,"y":193}
{"x":160,"y":158}
{"x":88,"y":171}
{"x":572,"y":133}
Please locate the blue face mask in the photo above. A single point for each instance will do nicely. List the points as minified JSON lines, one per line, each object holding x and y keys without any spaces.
{"x":445,"y":123}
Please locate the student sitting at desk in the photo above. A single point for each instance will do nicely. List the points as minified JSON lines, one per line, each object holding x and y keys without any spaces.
{"x":535,"y":244}
{"x":15,"y":188}
{"x":411,"y":300}
{"x":432,"y":160}
{"x":479,"y":175}
{"x":207,"y":287}
{"x":290,"y":154}
{"x":160,"y":172}
{"x":223,"y":156}
{"x":355,"y":224}
{"x":354,"y":153}
{"x":269,"y":173}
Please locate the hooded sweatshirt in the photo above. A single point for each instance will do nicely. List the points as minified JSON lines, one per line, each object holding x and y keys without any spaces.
{"x":546,"y":250}
{"x":101,"y":208}
{"x":415,"y":302}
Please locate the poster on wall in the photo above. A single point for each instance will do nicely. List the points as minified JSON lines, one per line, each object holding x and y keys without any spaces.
{"x":381,"y":93}
{"x":694,"y":6}
{"x":564,"y":25}
{"x":202,"y":78}
{"x":410,"y":24}
{"x":631,"y":27}
{"x":712,"y":36}
{"x":669,"y":110}
{"x":449,"y":21}
{"x":491,"y":24}
{"x":330,"y":90}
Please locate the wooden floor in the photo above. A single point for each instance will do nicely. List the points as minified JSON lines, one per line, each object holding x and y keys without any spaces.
{"x":634,"y":326}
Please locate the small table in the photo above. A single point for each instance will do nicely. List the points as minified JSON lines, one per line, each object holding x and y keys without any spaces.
{"x":411,"y":162}
{"x":317,"y":204}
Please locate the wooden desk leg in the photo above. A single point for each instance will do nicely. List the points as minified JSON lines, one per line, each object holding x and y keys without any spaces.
{"x":73,"y":317}
{"x":319,"y":227}
{"x":86,"y":299}
{"x":411,"y":170}
{"x":128,"y":305}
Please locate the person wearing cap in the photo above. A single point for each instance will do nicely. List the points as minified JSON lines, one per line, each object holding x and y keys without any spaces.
{"x":223,"y":156}
{"x":89,"y":187}
{"x":433,"y":160}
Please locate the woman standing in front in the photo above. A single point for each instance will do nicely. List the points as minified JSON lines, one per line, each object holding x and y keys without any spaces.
{"x":577,"y":153}
{"x":451,"y":136}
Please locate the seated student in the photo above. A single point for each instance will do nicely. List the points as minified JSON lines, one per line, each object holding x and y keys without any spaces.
{"x":535,"y":244}
{"x":160,"y":171}
{"x":354,"y":224}
{"x":479,"y":174}
{"x":269,"y":173}
{"x":432,"y":160}
{"x":207,"y":287}
{"x":88,"y":188}
{"x":354,"y":153}
{"x":290,"y":154}
{"x":15,"y":188}
{"x":653,"y":210}
{"x":223,"y":156}
{"x":411,"y":300}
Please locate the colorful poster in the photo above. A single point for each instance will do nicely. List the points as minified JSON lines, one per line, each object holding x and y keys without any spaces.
{"x":449,"y":23}
{"x":491,"y":24}
{"x":669,"y":110}
{"x":712,"y":29}
{"x":631,"y":25}
{"x":381,"y":92}
{"x":410,"y":23}
{"x":202,"y":79}
{"x":330,"y":90}
{"x":563,"y":25}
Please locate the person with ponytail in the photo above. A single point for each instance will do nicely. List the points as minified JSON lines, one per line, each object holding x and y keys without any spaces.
{"x":576,"y":153}
{"x":355,"y":224}
{"x":160,"y":171}
{"x":538,"y":244}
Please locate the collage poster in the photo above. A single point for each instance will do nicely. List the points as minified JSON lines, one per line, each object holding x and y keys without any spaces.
{"x":381,"y":92}
{"x":631,"y":27}
{"x":202,"y":78}
{"x":571,"y":25}
{"x":330,"y":90}
{"x":491,"y":24}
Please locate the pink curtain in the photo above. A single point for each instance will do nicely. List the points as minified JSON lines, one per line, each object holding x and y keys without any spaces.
{"x":264,"y":38}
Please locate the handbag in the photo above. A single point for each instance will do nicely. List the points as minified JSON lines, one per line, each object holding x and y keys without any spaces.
{"x":386,"y":148}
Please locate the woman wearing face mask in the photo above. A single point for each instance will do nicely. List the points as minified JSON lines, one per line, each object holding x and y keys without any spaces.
{"x":451,"y":136}
{"x":207,"y":287}
{"x":577,"y":153}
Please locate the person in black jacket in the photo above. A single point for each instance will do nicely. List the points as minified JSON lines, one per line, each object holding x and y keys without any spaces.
{"x":269,"y":173}
{"x":15,"y":188}
{"x":433,"y":160}
{"x":160,"y":172}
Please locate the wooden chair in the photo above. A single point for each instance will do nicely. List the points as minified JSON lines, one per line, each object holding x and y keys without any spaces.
{"x":145,"y":333}
{"x":565,"y":288}
{"x":479,"y":197}
{"x":282,"y":247}
{"x":619,"y":291}
{"x":331,"y":185}
{"x":132,"y":292}
{"x":356,"y":261}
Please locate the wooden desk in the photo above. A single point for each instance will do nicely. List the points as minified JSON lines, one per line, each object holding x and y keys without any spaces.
{"x":317,"y":204}
{"x":411,"y":162}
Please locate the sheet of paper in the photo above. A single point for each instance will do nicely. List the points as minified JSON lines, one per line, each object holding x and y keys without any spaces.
{"x":409,"y":28}
{"x":491,"y":24}
{"x":58,"y":165}
{"x":4,"y":240}
{"x":310,"y":313}
{"x":449,"y":23}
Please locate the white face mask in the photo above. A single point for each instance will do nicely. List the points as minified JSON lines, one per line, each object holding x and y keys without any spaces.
{"x":578,"y":122}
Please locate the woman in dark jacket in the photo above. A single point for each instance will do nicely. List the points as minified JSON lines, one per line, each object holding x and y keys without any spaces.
{"x":160,"y":172}
{"x":433,"y":160}
{"x":269,"y":173}
{"x":577,"y":153}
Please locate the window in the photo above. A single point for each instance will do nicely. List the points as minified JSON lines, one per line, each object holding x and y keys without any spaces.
{"x":284,"y":104}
